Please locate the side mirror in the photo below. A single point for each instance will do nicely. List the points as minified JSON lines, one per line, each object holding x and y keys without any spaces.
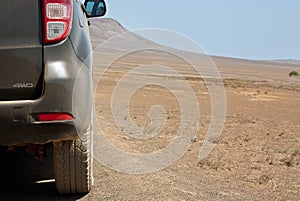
{"x":95,"y":8}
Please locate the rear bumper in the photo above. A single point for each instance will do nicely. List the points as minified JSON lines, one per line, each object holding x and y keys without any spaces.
{"x":19,"y":133}
{"x":18,"y":125}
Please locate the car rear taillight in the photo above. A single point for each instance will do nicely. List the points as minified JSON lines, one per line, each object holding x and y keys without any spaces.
{"x":54,"y":117}
{"x":57,"y":19}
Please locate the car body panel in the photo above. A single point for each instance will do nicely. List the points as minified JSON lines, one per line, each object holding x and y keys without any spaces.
{"x":21,"y":50}
{"x":66,"y":69}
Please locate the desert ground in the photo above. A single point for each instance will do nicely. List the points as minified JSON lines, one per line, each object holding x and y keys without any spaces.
{"x":257,"y":156}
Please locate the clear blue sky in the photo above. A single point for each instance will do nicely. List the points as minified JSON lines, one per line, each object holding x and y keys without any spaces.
{"x":253,"y":29}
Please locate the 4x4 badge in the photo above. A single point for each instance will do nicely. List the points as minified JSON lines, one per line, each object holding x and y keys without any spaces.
{"x":23,"y":85}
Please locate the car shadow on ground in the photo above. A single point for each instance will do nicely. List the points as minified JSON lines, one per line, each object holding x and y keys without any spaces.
{"x":24,"y":178}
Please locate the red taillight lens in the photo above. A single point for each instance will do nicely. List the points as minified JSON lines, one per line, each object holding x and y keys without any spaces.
{"x":54,"y":117}
{"x":57,"y":15}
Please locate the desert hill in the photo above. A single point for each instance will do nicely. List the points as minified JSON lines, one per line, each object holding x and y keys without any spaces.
{"x":275,"y":71}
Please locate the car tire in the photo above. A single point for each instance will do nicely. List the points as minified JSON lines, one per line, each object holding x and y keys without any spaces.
{"x":73,"y":165}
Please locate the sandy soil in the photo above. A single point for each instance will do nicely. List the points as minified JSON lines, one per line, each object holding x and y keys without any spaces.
{"x":256,"y":158}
